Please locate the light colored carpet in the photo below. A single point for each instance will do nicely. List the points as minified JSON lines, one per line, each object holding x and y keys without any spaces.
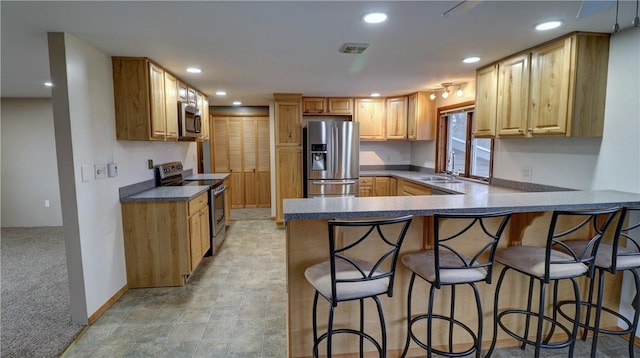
{"x":36,"y":313}
{"x":251,"y":214}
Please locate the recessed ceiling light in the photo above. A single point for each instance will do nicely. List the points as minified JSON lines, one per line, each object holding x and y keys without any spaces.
{"x":221,"y":93}
{"x":375,"y":94}
{"x":375,"y":17}
{"x":48,"y":84}
{"x":549,"y":25}
{"x":194,"y":70}
{"x":472,"y":59}
{"x":237,"y":103}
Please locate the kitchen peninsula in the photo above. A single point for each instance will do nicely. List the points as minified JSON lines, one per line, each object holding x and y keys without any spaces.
{"x":306,"y":235}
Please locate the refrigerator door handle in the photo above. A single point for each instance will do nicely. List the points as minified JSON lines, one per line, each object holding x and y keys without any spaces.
{"x":334,"y":128}
{"x":334,"y":182}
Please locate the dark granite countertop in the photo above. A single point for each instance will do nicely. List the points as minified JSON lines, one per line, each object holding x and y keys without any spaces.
{"x":167,"y":193}
{"x":425,"y":205}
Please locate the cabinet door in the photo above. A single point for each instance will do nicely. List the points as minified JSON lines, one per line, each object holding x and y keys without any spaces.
{"x":264,"y":163}
{"x":182,"y":92}
{"x":288,"y":177}
{"x":407,"y":188}
{"x":156,"y":79}
{"x":191,"y":95}
{"x":249,"y":159}
{"x":365,"y":186}
{"x":313,"y":105}
{"x":171,"y":105}
{"x":288,"y":116}
{"x":513,"y":96}
{"x":235,"y":162}
{"x":381,"y":186}
{"x":393,"y":186}
{"x":220,"y":145}
{"x":206,"y":120}
{"x":550,"y":84}
{"x":205,"y":233}
{"x":397,"y":118}
{"x":370,"y":113}
{"x":421,"y":122}
{"x":484,"y":124}
{"x":195,"y":238}
{"x":340,"y":105}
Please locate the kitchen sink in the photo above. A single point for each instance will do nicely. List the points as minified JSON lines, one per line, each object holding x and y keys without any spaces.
{"x":443,"y":180}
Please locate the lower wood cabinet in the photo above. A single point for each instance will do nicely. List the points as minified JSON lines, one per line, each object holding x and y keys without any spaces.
{"x":377,"y":186}
{"x":407,"y":188}
{"x":288,"y":177}
{"x":365,"y":186}
{"x":164,"y":241}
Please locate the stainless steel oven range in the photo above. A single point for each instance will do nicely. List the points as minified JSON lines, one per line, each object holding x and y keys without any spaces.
{"x":171,"y":174}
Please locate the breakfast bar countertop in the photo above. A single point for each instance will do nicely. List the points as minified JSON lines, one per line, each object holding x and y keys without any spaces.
{"x":427,"y":205}
{"x":167,"y":193}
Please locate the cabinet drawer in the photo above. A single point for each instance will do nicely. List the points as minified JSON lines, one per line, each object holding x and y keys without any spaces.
{"x":197,"y":203}
{"x":365,"y":181}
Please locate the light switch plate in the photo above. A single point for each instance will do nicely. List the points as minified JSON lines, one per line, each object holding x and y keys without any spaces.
{"x":86,"y":173}
{"x":101,"y":171}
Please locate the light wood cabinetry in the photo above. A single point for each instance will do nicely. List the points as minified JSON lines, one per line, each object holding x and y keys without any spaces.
{"x":327,"y":106}
{"x":513,"y":95}
{"x":365,"y":186}
{"x":484,"y":123}
{"x":562,"y":83}
{"x":340,"y":105}
{"x":182,"y":92}
{"x":370,"y":113}
{"x":199,"y":229}
{"x":146,"y":100}
{"x":171,"y":106}
{"x":241,"y":148}
{"x":288,"y":177}
{"x":288,"y":161}
{"x":393,"y":186}
{"x":421,"y":117}
{"x":161,"y":252}
{"x":381,"y":186}
{"x":407,"y":188}
{"x":396,"y":118}
{"x":202,"y":102}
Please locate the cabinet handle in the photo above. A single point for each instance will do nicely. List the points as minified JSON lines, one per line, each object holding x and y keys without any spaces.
{"x":520,"y":130}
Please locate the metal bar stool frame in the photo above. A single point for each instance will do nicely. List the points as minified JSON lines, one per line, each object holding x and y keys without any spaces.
{"x":612,"y":260}
{"x":365,"y":272}
{"x":476,"y":269}
{"x":564,"y":266}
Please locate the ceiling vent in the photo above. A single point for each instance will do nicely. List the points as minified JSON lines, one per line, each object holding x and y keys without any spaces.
{"x":353,"y":48}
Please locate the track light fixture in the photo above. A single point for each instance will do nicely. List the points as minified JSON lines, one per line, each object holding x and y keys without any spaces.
{"x":445,"y":94}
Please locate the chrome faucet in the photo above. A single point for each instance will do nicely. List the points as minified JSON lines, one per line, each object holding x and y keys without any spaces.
{"x":452,"y":165}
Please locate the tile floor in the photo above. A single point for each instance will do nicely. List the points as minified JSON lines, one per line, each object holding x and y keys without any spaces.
{"x":233,"y":306}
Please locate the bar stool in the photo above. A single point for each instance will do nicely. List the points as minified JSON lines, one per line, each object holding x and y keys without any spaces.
{"x":611,"y":258}
{"x":546,"y":265}
{"x":347,"y":276}
{"x":448,"y":265}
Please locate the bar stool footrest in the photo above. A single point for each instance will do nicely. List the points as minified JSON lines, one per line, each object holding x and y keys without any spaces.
{"x":448,"y":319}
{"x":348,"y":331}
{"x":545,"y":343}
{"x":593,"y":306}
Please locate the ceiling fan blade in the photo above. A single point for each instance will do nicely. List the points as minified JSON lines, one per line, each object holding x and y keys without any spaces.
{"x":461,"y":7}
{"x":592,"y":7}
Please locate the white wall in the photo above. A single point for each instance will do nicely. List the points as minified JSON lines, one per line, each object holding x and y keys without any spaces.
{"x":29,"y":169}
{"x":389,"y":152}
{"x":84,"y":115}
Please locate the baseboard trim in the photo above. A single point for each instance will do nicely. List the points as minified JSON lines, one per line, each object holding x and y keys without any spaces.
{"x":94,"y":317}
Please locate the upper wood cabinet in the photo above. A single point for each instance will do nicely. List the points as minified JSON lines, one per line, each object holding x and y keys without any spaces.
{"x":327,"y":106}
{"x":421,"y":117}
{"x":370,"y":113}
{"x":202,"y":102}
{"x":484,"y":124}
{"x":513,"y":96}
{"x":146,"y":100}
{"x":396,"y":117}
{"x":171,"y":105}
{"x":555,"y":89}
{"x":288,"y":117}
{"x":340,"y":105}
{"x":182,"y":92}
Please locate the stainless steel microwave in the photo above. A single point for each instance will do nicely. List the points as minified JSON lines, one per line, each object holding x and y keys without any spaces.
{"x":189,"y":121}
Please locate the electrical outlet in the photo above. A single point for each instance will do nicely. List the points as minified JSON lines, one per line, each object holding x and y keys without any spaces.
{"x":149,"y":163}
{"x":100,"y":170}
{"x":527,"y":173}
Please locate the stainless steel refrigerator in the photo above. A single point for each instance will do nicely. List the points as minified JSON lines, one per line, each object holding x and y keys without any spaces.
{"x":332,"y":158}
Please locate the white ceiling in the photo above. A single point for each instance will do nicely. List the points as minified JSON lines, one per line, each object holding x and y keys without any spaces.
{"x":253,"y":49}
